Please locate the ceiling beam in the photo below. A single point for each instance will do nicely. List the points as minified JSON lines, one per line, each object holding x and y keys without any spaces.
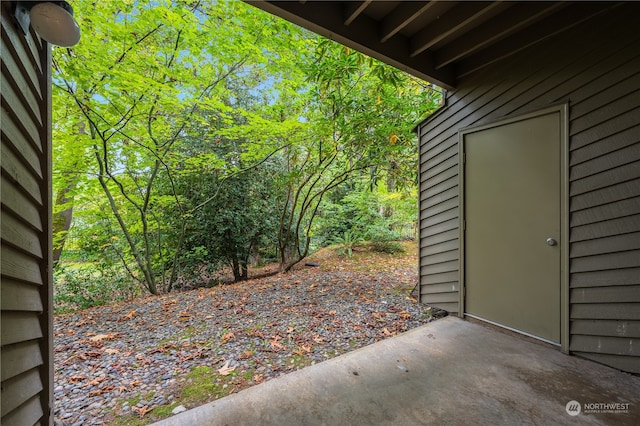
{"x":353,"y":9}
{"x":326,"y":18}
{"x":520,"y":16}
{"x":455,"y":19}
{"x":402,"y":16}
{"x":557,"y":23}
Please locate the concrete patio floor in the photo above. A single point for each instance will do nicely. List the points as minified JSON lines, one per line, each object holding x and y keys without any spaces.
{"x":449,"y":372}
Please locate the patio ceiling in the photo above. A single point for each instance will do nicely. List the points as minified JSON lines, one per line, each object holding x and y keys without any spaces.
{"x":439,"y":41}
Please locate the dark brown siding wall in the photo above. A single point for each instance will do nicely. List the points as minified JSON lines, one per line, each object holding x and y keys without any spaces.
{"x":596,"y":69}
{"x":25,"y":124}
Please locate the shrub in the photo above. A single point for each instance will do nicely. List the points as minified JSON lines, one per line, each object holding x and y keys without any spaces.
{"x":82,"y":286}
{"x":347,"y":243}
{"x":390,"y":247}
{"x":381,"y":233}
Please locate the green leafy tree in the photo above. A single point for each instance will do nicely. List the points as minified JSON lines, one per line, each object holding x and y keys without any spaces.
{"x":188,"y":120}
{"x":360,"y":114}
{"x":239,"y":224}
{"x":140,"y":83}
{"x":230,"y":204}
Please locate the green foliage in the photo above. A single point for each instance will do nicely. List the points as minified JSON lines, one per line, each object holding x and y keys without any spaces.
{"x":241,"y":223}
{"x":347,"y":242}
{"x":195,"y":256}
{"x":377,"y":216}
{"x":192,"y":135}
{"x":88,"y":284}
{"x":201,"y":386}
{"x":147,"y":80}
{"x":370,"y":108}
{"x":389,"y":247}
{"x":90,"y":272}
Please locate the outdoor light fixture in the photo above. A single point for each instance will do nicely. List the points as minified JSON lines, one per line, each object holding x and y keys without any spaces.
{"x":52,"y":20}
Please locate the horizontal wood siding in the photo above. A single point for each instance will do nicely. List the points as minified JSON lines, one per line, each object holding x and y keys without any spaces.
{"x":28,"y":413}
{"x":595,"y":68}
{"x":20,"y":358}
{"x":26,"y":368}
{"x":605,"y":217}
{"x":20,"y":389}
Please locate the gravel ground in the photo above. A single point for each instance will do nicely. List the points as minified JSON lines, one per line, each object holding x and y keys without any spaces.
{"x":138,"y":358}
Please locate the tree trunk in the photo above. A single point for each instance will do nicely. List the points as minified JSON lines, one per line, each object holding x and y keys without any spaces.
{"x":387,"y":211}
{"x":244,"y":271}
{"x":287,"y":267}
{"x":62,"y":222}
{"x":235,"y":265}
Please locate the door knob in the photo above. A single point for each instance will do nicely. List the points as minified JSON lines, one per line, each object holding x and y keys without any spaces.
{"x":551,"y":242}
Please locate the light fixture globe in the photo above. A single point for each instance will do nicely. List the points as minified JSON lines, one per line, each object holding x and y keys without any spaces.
{"x":55,"y":24}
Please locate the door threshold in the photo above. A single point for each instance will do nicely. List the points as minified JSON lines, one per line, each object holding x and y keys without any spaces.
{"x":512,"y":331}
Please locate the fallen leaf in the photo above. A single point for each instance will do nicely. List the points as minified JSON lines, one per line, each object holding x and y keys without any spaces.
{"x":76,"y":379}
{"x":102,"y":391}
{"x":130,"y":315}
{"x":96,"y":381}
{"x":85,"y":322}
{"x":276,"y":345}
{"x":226,"y":337}
{"x":145,"y":361}
{"x":225,"y":370}
{"x":101,"y":337}
{"x":111,"y":351}
{"x":303,"y":349}
{"x":246,"y":355}
{"x":258,"y":378}
{"x":143,"y":410}
{"x":255,"y":333}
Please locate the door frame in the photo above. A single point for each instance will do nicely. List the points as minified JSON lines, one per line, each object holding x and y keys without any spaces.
{"x":563,"y":110}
